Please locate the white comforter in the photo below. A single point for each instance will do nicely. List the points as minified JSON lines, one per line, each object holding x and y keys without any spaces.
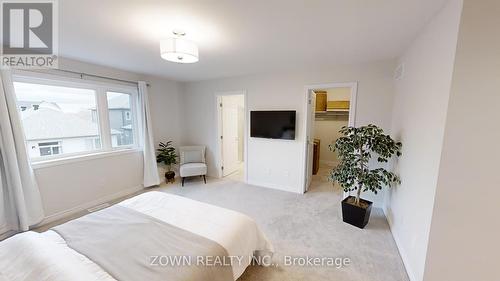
{"x":45,"y":256}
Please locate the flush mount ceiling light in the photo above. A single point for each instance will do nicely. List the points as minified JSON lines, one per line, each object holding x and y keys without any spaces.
{"x":179,"y":50}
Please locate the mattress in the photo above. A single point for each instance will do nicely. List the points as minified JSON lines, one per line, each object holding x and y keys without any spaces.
{"x":46,"y":256}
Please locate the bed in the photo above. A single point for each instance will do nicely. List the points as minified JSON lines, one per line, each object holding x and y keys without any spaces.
{"x":153,"y":236}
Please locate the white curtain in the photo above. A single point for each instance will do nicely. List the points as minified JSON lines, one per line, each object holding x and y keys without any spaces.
{"x":151,"y":177}
{"x":20,"y":201}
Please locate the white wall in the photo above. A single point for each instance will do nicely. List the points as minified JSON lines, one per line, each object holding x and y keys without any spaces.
{"x":164,"y":99}
{"x":463,"y":243}
{"x":327,"y":131}
{"x":335,"y":94}
{"x":418,"y":121}
{"x":72,"y":186}
{"x":66,"y":188}
{"x":280,"y":163}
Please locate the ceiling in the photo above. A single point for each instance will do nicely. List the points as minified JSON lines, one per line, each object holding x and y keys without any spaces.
{"x":238,"y":37}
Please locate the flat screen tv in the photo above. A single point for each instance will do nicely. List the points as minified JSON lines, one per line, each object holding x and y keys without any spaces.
{"x":273,"y":124}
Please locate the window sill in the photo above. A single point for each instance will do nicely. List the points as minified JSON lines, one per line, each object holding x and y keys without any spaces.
{"x":80,"y":158}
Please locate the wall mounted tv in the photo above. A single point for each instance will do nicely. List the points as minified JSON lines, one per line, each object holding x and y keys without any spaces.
{"x":273,"y":124}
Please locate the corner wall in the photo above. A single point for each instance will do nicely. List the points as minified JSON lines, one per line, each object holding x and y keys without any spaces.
{"x":418,"y":121}
{"x":463,"y":243}
{"x":279,"y":163}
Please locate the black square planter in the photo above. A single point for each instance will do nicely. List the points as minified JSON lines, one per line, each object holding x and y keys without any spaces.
{"x":356,"y":215}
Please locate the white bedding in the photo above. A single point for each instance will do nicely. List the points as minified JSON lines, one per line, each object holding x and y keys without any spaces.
{"x":35,"y":256}
{"x":45,"y":256}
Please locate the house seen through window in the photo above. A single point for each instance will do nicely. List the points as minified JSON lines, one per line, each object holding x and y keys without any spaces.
{"x":120,"y":118}
{"x":60,"y":120}
{"x":50,"y":148}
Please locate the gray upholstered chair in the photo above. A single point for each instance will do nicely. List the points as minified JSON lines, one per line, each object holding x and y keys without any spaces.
{"x":192,"y":162}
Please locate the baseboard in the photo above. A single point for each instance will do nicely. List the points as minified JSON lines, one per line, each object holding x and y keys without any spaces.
{"x":85,"y":206}
{"x":6,"y":233}
{"x":273,"y":186}
{"x":402,"y":253}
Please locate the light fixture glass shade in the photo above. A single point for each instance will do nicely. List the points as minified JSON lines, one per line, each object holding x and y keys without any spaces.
{"x":178,"y":50}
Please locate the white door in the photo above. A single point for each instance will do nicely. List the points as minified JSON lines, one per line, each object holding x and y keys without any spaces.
{"x":311,"y":110}
{"x":230,"y":134}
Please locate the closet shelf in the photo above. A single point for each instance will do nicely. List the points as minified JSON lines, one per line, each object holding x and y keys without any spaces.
{"x":332,"y":115}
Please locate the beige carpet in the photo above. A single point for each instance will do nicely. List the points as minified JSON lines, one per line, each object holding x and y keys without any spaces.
{"x":306,"y":225}
{"x":300,"y":225}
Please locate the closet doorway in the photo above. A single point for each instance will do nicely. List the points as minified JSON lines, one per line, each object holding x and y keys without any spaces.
{"x":329,"y":107}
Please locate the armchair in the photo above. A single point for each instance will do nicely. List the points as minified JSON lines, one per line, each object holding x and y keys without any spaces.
{"x":192,"y":162}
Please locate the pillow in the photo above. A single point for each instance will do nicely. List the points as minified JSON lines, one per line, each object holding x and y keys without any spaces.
{"x":191,"y":156}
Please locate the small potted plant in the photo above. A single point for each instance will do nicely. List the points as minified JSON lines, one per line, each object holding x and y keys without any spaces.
{"x":355,"y":149}
{"x":167,"y":155}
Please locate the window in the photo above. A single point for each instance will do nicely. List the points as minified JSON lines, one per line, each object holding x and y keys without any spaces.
{"x":120,"y":120}
{"x":50,"y":148}
{"x":93,"y":143}
{"x":65,"y":118}
{"x":56,"y":113}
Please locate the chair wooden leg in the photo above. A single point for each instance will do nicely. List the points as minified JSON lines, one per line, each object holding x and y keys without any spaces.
{"x":204,"y":179}
{"x":183,"y":181}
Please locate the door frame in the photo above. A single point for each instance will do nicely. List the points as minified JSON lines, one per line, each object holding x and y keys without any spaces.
{"x":308,"y":123}
{"x":218,"y":152}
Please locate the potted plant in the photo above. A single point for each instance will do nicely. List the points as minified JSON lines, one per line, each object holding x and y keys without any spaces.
{"x":167,"y":155}
{"x":355,"y":149}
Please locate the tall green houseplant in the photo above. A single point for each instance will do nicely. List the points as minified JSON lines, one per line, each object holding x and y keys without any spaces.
{"x":355,"y":149}
{"x":167,"y":156}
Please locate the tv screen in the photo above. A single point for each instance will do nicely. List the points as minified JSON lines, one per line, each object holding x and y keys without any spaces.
{"x":272,"y":124}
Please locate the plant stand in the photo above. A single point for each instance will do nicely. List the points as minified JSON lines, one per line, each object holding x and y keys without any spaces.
{"x":356,"y":215}
{"x":170,"y":177}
